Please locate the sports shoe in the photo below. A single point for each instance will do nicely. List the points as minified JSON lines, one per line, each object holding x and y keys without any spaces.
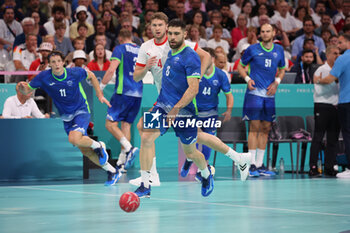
{"x":102,"y":153}
{"x":345,"y":174}
{"x":185,"y":168}
{"x":153,"y":180}
{"x":113,"y":178}
{"x":142,"y":191}
{"x":330,"y":172}
{"x":263,"y":171}
{"x":253,"y":172}
{"x":243,"y":165}
{"x":198,"y":177}
{"x":207,"y":184}
{"x":314,"y":173}
{"x":130,"y":157}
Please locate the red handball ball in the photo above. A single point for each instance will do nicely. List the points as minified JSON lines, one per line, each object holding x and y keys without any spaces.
{"x":129,"y":202}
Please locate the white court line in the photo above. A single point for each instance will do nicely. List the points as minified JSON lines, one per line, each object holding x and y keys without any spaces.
{"x":192,"y":202}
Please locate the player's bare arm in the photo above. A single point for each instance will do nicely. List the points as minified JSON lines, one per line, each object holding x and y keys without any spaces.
{"x":272,"y":88}
{"x":141,"y":71}
{"x":327,"y":80}
{"x":244,"y":74}
{"x":24,"y":88}
{"x":96,"y":85}
{"x":229,"y":106}
{"x":189,"y":95}
{"x":109,"y":73}
{"x":206,"y":60}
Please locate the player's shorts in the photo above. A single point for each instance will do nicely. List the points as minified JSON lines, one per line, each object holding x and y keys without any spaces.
{"x":187,"y":134}
{"x":210,"y":129}
{"x":124,"y":108}
{"x":79,"y":123}
{"x":259,"y":108}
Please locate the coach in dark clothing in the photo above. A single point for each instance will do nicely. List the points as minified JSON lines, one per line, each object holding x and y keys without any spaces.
{"x":306,"y":68}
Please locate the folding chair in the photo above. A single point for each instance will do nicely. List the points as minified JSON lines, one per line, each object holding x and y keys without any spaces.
{"x":232,"y":132}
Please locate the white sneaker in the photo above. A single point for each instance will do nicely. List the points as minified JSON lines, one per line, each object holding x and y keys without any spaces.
{"x":344,"y":174}
{"x":153,"y":180}
{"x":244,"y":165}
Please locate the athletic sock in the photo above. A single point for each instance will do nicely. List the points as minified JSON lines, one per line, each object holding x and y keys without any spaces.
{"x":154,"y":166}
{"x":233,"y":155}
{"x":95,"y":145}
{"x":253,"y":154}
{"x":108,"y":167}
{"x":205,"y":173}
{"x":122,"y":158}
{"x":260,"y":157}
{"x":145,"y":175}
{"x":125,"y":143}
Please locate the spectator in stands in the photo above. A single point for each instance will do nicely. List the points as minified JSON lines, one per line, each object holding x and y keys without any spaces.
{"x":25,"y":54}
{"x":333,"y":40}
{"x":262,"y":10}
{"x":346,"y":29}
{"x":38,"y":29}
{"x":326,"y":22}
{"x":198,"y":20}
{"x":21,"y":106}
{"x":227,"y":17}
{"x":81,"y":18}
{"x":66,"y":6}
{"x":108,"y":6}
{"x":12,"y":4}
{"x":180,"y":12}
{"x":90,"y":7}
{"x":147,"y":33}
{"x":128,"y":6}
{"x":247,"y":8}
{"x":100,"y":62}
{"x":62,"y":43}
{"x":320,"y":9}
{"x":299,"y":15}
{"x":79,"y":60}
{"x":308,"y":28}
{"x":288,"y":22}
{"x":149,"y":5}
{"x":111,"y":31}
{"x":339,"y":19}
{"x":245,"y":46}
{"x":213,"y":5}
{"x":170,"y":11}
{"x":36,"y":6}
{"x":41,"y":63}
{"x":125,"y":23}
{"x":309,"y":44}
{"x":193,"y":35}
{"x":306,"y":68}
{"x":100,"y":29}
{"x":78,"y":44}
{"x":28,"y":27}
{"x":240,"y":31}
{"x":101,"y":39}
{"x":147,"y":20}
{"x":50,"y":39}
{"x":217,"y":41}
{"x":216,"y":19}
{"x":250,"y":39}
{"x":257,"y":6}
{"x":195,"y":6}
{"x":58,"y":16}
{"x":325,"y":35}
{"x":220,"y":61}
{"x":82,"y":30}
{"x":326,"y":117}
{"x":9,"y":29}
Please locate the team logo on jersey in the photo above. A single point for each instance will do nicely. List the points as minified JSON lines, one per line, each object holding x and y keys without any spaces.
{"x":215,"y":82}
{"x":274,"y":54}
{"x":70,"y":83}
{"x":260,"y":54}
{"x":177,"y":59}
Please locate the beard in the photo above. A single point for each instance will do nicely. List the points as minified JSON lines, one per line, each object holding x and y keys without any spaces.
{"x":267,"y":40}
{"x":177,"y":45}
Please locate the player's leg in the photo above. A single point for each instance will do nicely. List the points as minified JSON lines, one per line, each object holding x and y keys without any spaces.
{"x":242,"y":160}
{"x":254,"y":127}
{"x":146,"y":158}
{"x":154,"y":178}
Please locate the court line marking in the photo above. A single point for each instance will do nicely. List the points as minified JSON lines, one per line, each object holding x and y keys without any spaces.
{"x":192,"y":202}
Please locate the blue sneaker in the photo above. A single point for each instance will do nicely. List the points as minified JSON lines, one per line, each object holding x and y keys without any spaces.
{"x":207,"y":185}
{"x":113,"y":178}
{"x":253,"y":172}
{"x":186,"y":168}
{"x":130,"y":157}
{"x":263,"y":171}
{"x":142,"y":192}
{"x":198,"y":177}
{"x":102,"y":153}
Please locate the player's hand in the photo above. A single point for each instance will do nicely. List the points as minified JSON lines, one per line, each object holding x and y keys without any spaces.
{"x":102,"y":99}
{"x":227,"y":116}
{"x":47,"y":115}
{"x":151,"y":62}
{"x":172,"y":115}
{"x":251,"y":85}
{"x":271,"y":90}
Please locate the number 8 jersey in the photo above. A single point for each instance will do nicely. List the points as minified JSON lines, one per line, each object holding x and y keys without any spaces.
{"x":150,"y":49}
{"x":263,"y":65}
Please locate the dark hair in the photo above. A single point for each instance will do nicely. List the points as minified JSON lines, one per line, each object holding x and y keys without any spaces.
{"x":307,"y":51}
{"x":82,"y":25}
{"x":225,"y":4}
{"x":308,"y":18}
{"x":10,"y":8}
{"x":95,"y":55}
{"x":210,"y":51}
{"x":346,"y":37}
{"x":177,"y":23}
{"x":346,"y":28}
{"x":58,"y":8}
{"x":307,"y":40}
{"x":296,"y":13}
{"x":56,"y":53}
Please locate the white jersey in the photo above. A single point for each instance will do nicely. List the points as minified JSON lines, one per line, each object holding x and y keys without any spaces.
{"x":149,"y":49}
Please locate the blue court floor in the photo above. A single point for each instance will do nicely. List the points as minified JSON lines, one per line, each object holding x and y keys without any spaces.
{"x":281,"y":204}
